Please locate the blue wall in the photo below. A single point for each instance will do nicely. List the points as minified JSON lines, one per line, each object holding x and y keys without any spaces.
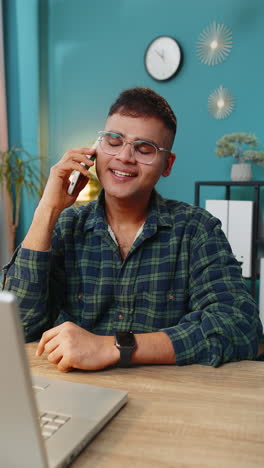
{"x":95,"y":49}
{"x":21,"y":60}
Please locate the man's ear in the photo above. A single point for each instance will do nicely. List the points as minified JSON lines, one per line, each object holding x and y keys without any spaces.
{"x":168,"y":165}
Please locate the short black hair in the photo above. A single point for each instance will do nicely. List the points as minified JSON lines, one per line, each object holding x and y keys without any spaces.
{"x":137,"y":102}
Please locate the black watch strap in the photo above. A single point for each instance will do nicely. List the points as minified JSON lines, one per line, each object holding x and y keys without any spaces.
{"x":125,"y":357}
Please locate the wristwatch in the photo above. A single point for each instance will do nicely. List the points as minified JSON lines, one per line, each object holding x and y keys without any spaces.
{"x":126,"y":343}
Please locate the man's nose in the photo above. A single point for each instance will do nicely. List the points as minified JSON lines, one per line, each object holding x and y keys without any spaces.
{"x":127,"y":153}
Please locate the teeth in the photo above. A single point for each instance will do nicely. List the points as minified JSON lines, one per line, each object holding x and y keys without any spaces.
{"x":122,"y":174}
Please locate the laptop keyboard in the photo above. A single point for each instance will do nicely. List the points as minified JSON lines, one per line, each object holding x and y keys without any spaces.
{"x":51,"y":422}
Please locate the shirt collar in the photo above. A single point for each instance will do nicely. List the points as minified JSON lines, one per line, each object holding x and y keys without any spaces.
{"x":96,"y":217}
{"x":158,"y":214}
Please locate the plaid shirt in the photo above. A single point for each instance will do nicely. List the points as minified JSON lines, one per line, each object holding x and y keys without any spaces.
{"x":179,"y":277}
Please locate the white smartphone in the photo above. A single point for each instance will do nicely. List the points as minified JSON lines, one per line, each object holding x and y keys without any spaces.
{"x":76,"y":174}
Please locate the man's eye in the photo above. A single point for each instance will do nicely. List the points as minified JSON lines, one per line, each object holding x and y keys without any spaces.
{"x":145,"y":149}
{"x":114,"y":141}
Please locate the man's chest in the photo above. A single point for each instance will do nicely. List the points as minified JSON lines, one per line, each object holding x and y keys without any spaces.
{"x":146,"y":291}
{"x":99,"y":271}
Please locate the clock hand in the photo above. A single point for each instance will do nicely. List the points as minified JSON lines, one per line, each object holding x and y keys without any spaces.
{"x":161,"y":54}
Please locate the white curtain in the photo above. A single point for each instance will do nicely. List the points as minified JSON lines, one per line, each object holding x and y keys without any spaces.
{"x":3,"y":130}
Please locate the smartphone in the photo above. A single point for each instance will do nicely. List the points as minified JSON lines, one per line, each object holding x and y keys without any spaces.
{"x":76,"y":174}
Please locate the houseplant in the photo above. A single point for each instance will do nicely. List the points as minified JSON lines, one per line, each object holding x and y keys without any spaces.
{"x":242,"y":147}
{"x":17,"y":170}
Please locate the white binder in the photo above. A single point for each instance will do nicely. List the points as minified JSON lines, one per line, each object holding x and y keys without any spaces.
{"x":240,"y":223}
{"x":237,"y":223}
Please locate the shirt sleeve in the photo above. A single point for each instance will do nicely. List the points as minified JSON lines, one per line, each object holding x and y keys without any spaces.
{"x":222,"y":323}
{"x":37,"y":280}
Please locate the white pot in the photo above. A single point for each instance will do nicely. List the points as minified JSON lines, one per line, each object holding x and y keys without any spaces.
{"x":241,"y":172}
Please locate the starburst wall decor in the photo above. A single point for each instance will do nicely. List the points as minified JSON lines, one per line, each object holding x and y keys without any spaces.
{"x":214,"y":44}
{"x":221,"y":103}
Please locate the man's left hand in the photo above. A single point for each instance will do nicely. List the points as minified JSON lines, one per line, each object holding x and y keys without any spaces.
{"x":71,"y":347}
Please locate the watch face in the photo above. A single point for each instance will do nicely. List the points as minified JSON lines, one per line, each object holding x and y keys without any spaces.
{"x":125,"y":339}
{"x":163,"y":58}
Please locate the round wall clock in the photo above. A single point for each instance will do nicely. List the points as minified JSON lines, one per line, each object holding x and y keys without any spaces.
{"x":163,"y":58}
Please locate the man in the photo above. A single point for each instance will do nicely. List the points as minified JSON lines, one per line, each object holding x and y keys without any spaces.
{"x":160,"y":271}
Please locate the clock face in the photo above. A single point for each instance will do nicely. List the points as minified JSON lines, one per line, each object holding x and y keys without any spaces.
{"x":163,"y":58}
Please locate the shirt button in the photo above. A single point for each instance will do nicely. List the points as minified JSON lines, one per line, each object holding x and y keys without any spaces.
{"x":120,"y":317}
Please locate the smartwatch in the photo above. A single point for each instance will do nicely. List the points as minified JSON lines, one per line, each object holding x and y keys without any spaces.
{"x":126,"y":343}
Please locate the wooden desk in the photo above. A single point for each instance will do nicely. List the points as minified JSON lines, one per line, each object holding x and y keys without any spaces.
{"x":186,"y":417}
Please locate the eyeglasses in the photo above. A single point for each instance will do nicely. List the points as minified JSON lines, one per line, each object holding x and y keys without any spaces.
{"x":143,"y":151}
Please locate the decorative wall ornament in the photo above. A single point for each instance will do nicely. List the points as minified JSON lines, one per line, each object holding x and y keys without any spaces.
{"x":221,"y":103}
{"x":214,"y":44}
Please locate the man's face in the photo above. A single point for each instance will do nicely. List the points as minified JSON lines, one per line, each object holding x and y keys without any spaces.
{"x":121,"y":175}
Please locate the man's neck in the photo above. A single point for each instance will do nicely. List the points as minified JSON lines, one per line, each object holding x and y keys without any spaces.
{"x":125,"y":218}
{"x":126,"y":212}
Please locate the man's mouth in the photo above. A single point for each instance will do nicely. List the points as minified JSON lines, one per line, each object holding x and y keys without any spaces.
{"x":123,"y":174}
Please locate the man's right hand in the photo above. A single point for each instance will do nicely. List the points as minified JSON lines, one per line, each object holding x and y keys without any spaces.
{"x":55,"y":197}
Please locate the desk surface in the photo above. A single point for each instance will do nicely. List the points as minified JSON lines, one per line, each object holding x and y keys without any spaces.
{"x":186,"y":417}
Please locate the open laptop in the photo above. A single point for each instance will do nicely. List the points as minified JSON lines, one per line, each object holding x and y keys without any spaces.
{"x":71,"y":413}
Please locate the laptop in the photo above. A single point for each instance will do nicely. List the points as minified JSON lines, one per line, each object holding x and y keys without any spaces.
{"x":44,"y":422}
{"x":47,"y":424}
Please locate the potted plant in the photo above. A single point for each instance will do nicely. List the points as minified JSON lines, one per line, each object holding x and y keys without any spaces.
{"x":241,"y":146}
{"x":18,"y":169}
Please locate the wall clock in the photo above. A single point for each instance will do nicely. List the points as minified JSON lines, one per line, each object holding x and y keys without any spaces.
{"x":163,"y":58}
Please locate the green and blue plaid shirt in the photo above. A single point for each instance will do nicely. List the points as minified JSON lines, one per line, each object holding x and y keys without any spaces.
{"x":179,"y":277}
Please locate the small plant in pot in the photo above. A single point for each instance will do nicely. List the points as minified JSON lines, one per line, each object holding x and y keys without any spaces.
{"x":241,"y":146}
{"x":17,"y":170}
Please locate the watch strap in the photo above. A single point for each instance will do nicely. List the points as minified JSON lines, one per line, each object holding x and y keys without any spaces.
{"x":125,"y":357}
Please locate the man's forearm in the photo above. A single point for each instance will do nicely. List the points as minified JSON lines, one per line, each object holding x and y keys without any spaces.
{"x":40,"y":232}
{"x":153,"y":348}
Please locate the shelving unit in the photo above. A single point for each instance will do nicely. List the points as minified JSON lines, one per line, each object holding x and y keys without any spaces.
{"x":256,"y":185}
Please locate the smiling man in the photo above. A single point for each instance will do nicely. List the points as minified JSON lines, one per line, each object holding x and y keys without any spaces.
{"x":131,"y":277}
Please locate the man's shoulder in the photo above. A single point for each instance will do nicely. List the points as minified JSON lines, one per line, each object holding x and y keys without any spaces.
{"x":179,"y":210}
{"x":187,"y":219}
{"x":76,"y":215}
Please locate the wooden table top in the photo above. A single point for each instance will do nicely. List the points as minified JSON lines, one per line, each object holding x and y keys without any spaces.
{"x":186,"y":417}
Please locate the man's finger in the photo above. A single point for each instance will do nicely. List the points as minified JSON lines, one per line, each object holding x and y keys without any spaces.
{"x":63,"y":365}
{"x":52,"y":344}
{"x":55,"y":356}
{"x":47,"y":336}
